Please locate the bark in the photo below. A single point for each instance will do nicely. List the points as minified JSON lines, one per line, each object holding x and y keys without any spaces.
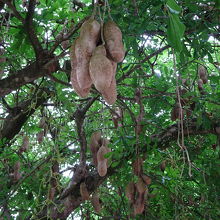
{"x":20,"y":114}
{"x":26,"y":75}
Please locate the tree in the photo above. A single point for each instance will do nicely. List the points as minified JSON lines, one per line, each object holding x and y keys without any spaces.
{"x":164,"y":127}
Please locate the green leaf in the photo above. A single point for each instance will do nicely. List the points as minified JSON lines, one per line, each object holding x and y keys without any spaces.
{"x":174,"y":8}
{"x":175,"y":32}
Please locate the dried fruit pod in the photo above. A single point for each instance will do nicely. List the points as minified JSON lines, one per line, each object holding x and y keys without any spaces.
{"x":95,"y":140}
{"x":101,"y":152}
{"x":100,"y":69}
{"x":163,"y":166}
{"x":84,"y":46}
{"x":105,"y":142}
{"x":139,"y":204}
{"x":146,"y":179}
{"x":130,"y":192}
{"x":40,"y":136}
{"x":25,"y":144}
{"x":115,"y":121}
{"x":96,"y":203}
{"x":137,"y":166}
{"x":140,"y":186}
{"x":82,"y":67}
{"x":117,"y":116}
{"x":65,"y":44}
{"x":200,"y":84}
{"x":110,"y":93}
{"x":83,"y":191}
{"x":102,"y":167}
{"x":95,"y":143}
{"x":176,"y":112}
{"x":202,"y":72}
{"x":51,"y":193}
{"x":16,"y":173}
{"x":113,"y":41}
{"x":81,"y":92}
{"x":90,"y":30}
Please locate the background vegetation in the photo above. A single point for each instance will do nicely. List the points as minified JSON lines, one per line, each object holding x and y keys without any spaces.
{"x":165,"y":42}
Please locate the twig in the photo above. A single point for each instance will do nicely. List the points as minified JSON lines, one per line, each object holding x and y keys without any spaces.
{"x":58,"y":80}
{"x":30,"y":29}
{"x":14,"y":10}
{"x":143,"y":61}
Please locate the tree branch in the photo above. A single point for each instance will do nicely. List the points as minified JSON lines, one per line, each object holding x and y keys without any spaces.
{"x":25,"y":76}
{"x":19,"y":114}
{"x":14,"y":10}
{"x":30,"y":29}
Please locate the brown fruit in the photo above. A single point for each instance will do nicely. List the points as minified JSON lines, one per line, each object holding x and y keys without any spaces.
{"x":146,"y":179}
{"x":16,"y":174}
{"x":139,"y":204}
{"x":102,"y":161}
{"x":83,"y":191}
{"x":163,"y":166}
{"x":117,"y":116}
{"x":40,"y":136}
{"x":82,"y":64}
{"x":102,"y":167}
{"x":51,"y":193}
{"x":96,"y":203}
{"x":115,"y":121}
{"x":84,"y":46}
{"x":95,"y":143}
{"x":110,"y":93}
{"x":176,"y":112}
{"x":202,"y":72}
{"x":100,"y":69}
{"x":140,"y":186}
{"x":137,"y":166}
{"x":81,"y":92}
{"x":113,"y":41}
{"x":90,"y":30}
{"x":95,"y":140}
{"x":101,"y":152}
{"x":130,"y":192}
{"x":25,"y":144}
{"x":65,"y":44}
{"x":200,"y":84}
{"x":105,"y":142}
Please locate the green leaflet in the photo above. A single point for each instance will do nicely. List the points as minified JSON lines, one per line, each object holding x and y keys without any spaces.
{"x":175,"y":32}
{"x":173,"y":7}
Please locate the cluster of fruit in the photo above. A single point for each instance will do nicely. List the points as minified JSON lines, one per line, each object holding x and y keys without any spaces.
{"x":94,"y":59}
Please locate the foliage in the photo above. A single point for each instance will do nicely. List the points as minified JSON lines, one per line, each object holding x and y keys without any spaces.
{"x":166,"y":42}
